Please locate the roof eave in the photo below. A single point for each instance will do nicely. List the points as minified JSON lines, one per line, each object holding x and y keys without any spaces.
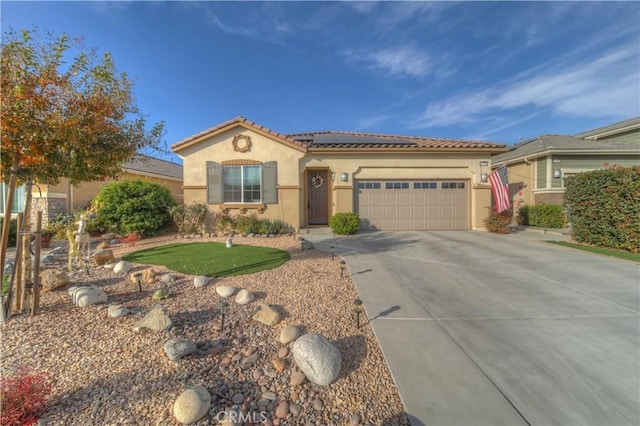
{"x":405,"y":150}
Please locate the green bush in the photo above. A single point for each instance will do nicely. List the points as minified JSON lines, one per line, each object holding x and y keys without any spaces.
{"x":189,"y":219}
{"x":247,"y":224}
{"x":134,"y":206}
{"x":546,"y":216}
{"x":344,"y":223}
{"x":61,"y":223}
{"x":224,"y":224}
{"x":603,"y":207}
{"x":13,"y":231}
{"x":498,"y":222}
{"x":523,"y":215}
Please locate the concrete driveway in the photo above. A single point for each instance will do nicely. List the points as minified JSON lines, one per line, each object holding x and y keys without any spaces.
{"x":484,"y":329}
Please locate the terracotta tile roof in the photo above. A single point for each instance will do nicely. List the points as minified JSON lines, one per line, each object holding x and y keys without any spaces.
{"x":237,"y":120}
{"x":341,"y":139}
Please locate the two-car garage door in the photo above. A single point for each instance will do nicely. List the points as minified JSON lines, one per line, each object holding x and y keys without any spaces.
{"x":412,"y":204}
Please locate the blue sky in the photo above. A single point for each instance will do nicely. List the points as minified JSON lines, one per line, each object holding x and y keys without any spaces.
{"x":496,"y":71}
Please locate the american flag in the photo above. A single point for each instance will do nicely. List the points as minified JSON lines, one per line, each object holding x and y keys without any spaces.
{"x":500,"y":187}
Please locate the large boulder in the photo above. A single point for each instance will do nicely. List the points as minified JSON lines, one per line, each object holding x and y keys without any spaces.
{"x":103,"y":256}
{"x":85,"y":296}
{"x":192,"y":405}
{"x":148,"y":276}
{"x":52,"y":279}
{"x":265,"y":314}
{"x":156,"y":319}
{"x":318,"y":358}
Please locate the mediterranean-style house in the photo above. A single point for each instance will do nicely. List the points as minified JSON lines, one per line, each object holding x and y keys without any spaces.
{"x":392,"y":182}
{"x":65,"y":197}
{"x":537,"y":167}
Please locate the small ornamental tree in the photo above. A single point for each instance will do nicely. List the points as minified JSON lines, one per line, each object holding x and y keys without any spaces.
{"x":73,"y":119}
{"x":134,"y":206}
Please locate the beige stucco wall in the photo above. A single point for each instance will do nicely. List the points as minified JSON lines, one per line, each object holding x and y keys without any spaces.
{"x":521,"y":184}
{"x":293,"y":163}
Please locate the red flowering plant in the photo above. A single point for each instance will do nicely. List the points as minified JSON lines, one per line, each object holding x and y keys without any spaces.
{"x":23,"y":397}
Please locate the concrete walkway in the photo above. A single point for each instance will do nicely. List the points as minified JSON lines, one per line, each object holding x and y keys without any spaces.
{"x":484,"y":329}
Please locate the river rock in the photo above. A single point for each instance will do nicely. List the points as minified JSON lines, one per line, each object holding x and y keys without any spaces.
{"x":200,"y":281}
{"x":122,"y":267}
{"x":192,"y":405}
{"x":289,"y":334}
{"x":318,"y":358}
{"x":103,"y":245}
{"x":103,"y":256}
{"x":168,"y":279}
{"x":265,"y":314}
{"x":156,"y":319}
{"x":86,"y":296}
{"x":282,"y":410}
{"x":225,"y":291}
{"x":52,"y":279}
{"x":297,"y":378}
{"x":117,"y":311}
{"x":178,"y":347}
{"x":244,"y":297}
{"x":355,"y":419}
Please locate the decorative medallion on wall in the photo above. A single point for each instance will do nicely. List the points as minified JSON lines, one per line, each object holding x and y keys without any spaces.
{"x":317,"y":181}
{"x":241,"y":143}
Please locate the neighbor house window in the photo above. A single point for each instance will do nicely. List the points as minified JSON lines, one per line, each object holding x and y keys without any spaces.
{"x":242,"y":184}
{"x":18,"y":198}
{"x":235,"y":183}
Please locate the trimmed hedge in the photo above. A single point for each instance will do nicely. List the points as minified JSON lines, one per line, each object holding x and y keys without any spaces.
{"x":344,"y":223}
{"x":604,"y":207}
{"x":542,"y":215}
{"x":134,"y":206}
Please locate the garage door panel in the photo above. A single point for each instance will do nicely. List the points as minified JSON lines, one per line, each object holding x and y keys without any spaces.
{"x":423,"y":205}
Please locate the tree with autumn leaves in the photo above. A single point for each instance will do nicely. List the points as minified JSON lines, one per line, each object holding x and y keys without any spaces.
{"x":65,"y":113}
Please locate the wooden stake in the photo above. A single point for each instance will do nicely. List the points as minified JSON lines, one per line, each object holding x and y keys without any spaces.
{"x":4,"y":240}
{"x":35,"y":300}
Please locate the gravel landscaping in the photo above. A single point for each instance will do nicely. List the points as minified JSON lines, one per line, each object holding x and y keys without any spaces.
{"x":104,"y":371}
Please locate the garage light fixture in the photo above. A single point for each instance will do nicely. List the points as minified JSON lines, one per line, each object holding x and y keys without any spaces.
{"x":344,"y":177}
{"x":483,"y":178}
{"x":556,"y":173}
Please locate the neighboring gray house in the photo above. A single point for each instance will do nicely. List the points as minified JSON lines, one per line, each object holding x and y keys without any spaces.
{"x":537,"y":167}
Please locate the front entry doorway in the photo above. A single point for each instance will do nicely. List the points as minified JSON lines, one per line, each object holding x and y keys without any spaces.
{"x":317,"y":197}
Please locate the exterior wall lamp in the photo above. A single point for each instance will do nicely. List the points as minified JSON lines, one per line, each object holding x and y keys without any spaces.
{"x":556,"y":173}
{"x":344,"y":177}
{"x":483,"y":174}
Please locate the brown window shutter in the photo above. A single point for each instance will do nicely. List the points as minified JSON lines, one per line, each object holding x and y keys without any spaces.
{"x":270,"y":182}
{"x":214,"y":183}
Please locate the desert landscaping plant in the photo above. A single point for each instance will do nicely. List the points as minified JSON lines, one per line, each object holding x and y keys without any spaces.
{"x":190,"y":219}
{"x":344,"y":223}
{"x":498,"y":222}
{"x":23,"y":397}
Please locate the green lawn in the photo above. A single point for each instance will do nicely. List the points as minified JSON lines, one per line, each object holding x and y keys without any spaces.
{"x":211,"y":259}
{"x":600,"y":250}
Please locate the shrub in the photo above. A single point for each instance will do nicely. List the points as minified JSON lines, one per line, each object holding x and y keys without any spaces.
{"x":498,"y":222}
{"x":603,"y":207}
{"x":134,"y":206}
{"x":59,"y":224}
{"x":344,"y":223}
{"x":247,"y":224}
{"x":224,"y":224}
{"x":523,"y":215}
{"x":189,"y":219}
{"x":13,"y":231}
{"x":23,"y":397}
{"x":546,"y":216}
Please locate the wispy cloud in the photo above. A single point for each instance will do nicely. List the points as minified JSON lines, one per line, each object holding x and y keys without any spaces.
{"x":605,"y":86}
{"x":396,"y":61}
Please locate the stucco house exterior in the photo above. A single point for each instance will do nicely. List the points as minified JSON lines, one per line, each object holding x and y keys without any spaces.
{"x":392,"y":182}
{"x":538,"y":167}
{"x":65,"y":198}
